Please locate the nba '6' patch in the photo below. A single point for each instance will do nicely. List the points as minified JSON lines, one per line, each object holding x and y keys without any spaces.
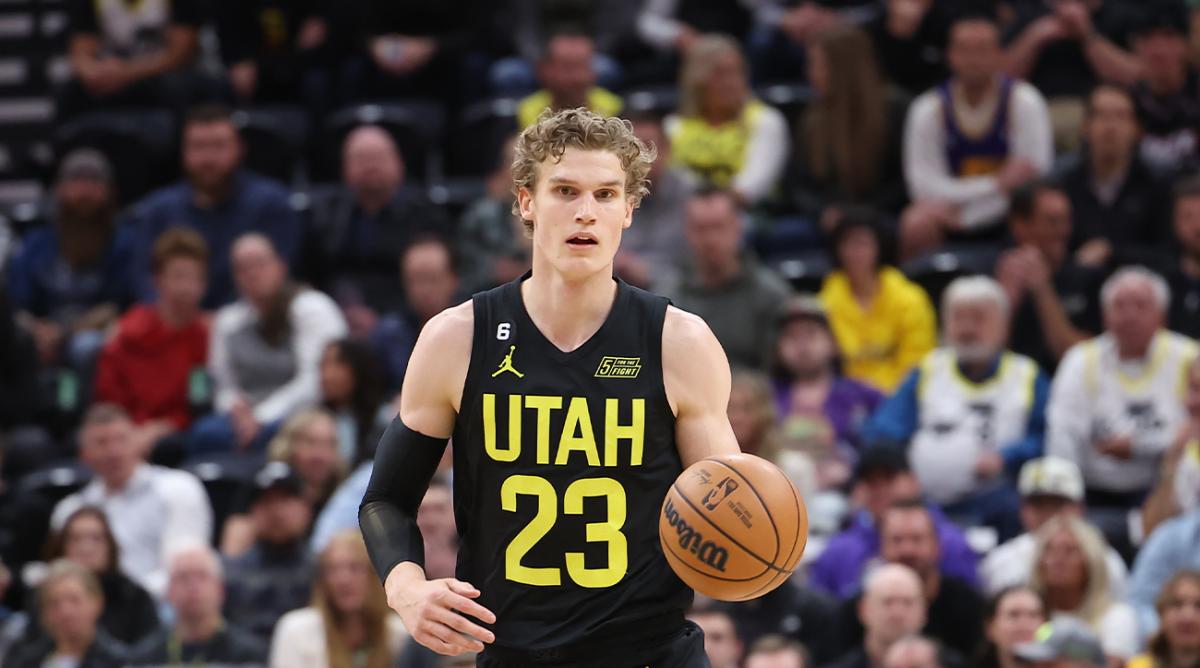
{"x":619,"y":367}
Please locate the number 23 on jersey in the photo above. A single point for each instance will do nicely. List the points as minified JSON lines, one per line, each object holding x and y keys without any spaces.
{"x":608,"y":531}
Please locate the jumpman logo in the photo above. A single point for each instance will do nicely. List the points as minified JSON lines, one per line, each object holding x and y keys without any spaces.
{"x":507,"y":364}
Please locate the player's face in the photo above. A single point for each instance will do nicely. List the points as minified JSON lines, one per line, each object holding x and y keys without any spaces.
{"x":579,"y":209}
{"x":1018,"y":616}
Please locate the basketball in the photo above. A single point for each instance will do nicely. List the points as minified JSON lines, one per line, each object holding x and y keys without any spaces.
{"x":733,"y":527}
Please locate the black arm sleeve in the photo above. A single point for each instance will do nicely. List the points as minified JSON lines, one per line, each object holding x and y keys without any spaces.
{"x":404,"y":464}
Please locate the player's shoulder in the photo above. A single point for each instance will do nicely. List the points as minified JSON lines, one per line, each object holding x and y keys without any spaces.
{"x":451,"y":329}
{"x":688,"y":343}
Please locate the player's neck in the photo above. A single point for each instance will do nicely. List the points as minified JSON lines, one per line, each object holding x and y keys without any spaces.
{"x":566,"y":312}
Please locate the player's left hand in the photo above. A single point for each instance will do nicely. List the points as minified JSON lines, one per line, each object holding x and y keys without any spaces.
{"x":430,"y":611}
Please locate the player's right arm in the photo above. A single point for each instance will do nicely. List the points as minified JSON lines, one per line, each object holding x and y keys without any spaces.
{"x":405,"y":461}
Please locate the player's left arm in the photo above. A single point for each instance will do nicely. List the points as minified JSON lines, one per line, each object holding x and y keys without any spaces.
{"x":697,"y":379}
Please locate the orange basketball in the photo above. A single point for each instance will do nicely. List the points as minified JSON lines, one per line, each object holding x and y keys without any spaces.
{"x":733,"y":527}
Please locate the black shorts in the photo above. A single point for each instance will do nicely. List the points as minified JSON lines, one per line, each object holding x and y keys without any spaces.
{"x":684,"y":650}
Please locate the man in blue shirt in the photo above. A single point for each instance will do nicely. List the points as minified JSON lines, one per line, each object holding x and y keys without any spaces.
{"x":219,"y":200}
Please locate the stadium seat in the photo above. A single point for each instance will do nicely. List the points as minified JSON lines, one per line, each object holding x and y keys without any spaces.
{"x":657,"y":100}
{"x":138,"y":142}
{"x":275,"y":139}
{"x":54,"y":482}
{"x":415,"y":125}
{"x":226,"y":479}
{"x":456,"y":193}
{"x":480,"y":134}
{"x":806,"y":270}
{"x":934,"y":271}
{"x":790,"y":99}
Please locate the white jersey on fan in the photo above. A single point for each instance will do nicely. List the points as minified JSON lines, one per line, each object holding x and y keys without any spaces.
{"x":1095,"y":395}
{"x":959,"y":420}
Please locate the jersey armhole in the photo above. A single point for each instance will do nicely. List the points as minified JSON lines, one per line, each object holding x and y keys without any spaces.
{"x":478,"y":348}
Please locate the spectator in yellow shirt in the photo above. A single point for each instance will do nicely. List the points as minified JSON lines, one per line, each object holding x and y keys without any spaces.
{"x":568,"y":81}
{"x":883,"y":322}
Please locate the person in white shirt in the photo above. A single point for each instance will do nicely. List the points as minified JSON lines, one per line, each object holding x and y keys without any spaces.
{"x":969,"y":142}
{"x":1049,"y":487}
{"x":349,"y":622}
{"x":723,"y":135}
{"x":1116,"y":403}
{"x":1070,"y":575}
{"x":970,"y":410}
{"x":265,"y":349}
{"x":151,"y":509}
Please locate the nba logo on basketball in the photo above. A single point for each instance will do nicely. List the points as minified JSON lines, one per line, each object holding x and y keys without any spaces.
{"x":715,"y":497}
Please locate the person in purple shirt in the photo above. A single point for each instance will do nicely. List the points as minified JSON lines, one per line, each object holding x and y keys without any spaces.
{"x":218,"y":199}
{"x":818,"y":408}
{"x":883,"y":478}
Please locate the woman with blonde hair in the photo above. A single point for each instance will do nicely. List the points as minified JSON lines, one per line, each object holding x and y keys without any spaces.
{"x":349,"y":624}
{"x":1071,"y":576}
{"x":70,"y":602}
{"x":848,"y":147}
{"x":722,"y":134}
{"x":308,"y":442}
{"x":1177,"y":643}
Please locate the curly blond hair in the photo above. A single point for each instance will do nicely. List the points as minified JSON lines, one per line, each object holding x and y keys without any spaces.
{"x":556,"y":131}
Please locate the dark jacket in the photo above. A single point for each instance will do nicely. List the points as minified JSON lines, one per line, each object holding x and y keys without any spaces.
{"x":229,"y":646}
{"x":255,"y":204}
{"x":355,"y":257}
{"x":129,"y":616}
{"x":103,"y":653}
{"x":1137,"y":223}
{"x":266,"y":582}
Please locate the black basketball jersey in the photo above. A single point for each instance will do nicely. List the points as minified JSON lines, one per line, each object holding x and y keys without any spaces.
{"x":561,"y":464}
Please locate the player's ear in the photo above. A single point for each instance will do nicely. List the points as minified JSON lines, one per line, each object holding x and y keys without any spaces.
{"x":629,"y":207}
{"x":525,"y":203}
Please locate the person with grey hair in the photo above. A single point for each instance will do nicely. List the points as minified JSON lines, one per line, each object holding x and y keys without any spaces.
{"x":196,"y":590}
{"x":1117,"y":401}
{"x":913,"y":652}
{"x":892,"y":607}
{"x":971,"y":411}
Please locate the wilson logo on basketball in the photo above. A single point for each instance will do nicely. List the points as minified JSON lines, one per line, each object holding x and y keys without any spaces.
{"x":693,"y":541}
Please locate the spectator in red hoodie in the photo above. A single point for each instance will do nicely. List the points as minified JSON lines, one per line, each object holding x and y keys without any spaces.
{"x":147,"y":365}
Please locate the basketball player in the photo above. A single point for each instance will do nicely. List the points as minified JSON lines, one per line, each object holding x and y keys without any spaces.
{"x":574,"y":401}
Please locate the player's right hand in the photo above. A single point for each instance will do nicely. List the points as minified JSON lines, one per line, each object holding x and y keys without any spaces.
{"x":430,"y":611}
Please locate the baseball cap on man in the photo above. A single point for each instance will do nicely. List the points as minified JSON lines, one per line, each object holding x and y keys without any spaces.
{"x":276,"y":475}
{"x":85,"y":163}
{"x":1051,"y":476}
{"x":1064,"y":637}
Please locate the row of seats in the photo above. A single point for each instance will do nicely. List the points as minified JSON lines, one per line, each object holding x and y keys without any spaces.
{"x":283,"y":143}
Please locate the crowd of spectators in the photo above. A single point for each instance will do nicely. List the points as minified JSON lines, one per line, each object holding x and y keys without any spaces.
{"x":952,"y":250}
